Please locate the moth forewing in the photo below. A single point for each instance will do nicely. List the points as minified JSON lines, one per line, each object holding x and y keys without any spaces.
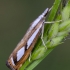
{"x":25,"y":46}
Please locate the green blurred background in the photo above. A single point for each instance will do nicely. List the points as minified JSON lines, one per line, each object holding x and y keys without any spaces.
{"x":15,"y":18}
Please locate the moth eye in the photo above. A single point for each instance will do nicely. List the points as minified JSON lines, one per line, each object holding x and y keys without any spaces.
{"x":9,"y":63}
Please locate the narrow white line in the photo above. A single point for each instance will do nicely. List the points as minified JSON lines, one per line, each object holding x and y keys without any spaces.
{"x":20,"y":53}
{"x":12,"y":61}
{"x":45,"y":12}
{"x":38,"y":19}
{"x":33,"y":37}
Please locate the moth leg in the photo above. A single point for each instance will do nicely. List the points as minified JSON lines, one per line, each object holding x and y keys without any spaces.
{"x":52,"y":22}
{"x":29,"y":57}
{"x":42,"y":37}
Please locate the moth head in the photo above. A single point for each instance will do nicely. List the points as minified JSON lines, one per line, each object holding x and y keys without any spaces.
{"x":9,"y":65}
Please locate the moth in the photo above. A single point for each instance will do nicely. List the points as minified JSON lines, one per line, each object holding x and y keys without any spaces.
{"x":25,"y":46}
